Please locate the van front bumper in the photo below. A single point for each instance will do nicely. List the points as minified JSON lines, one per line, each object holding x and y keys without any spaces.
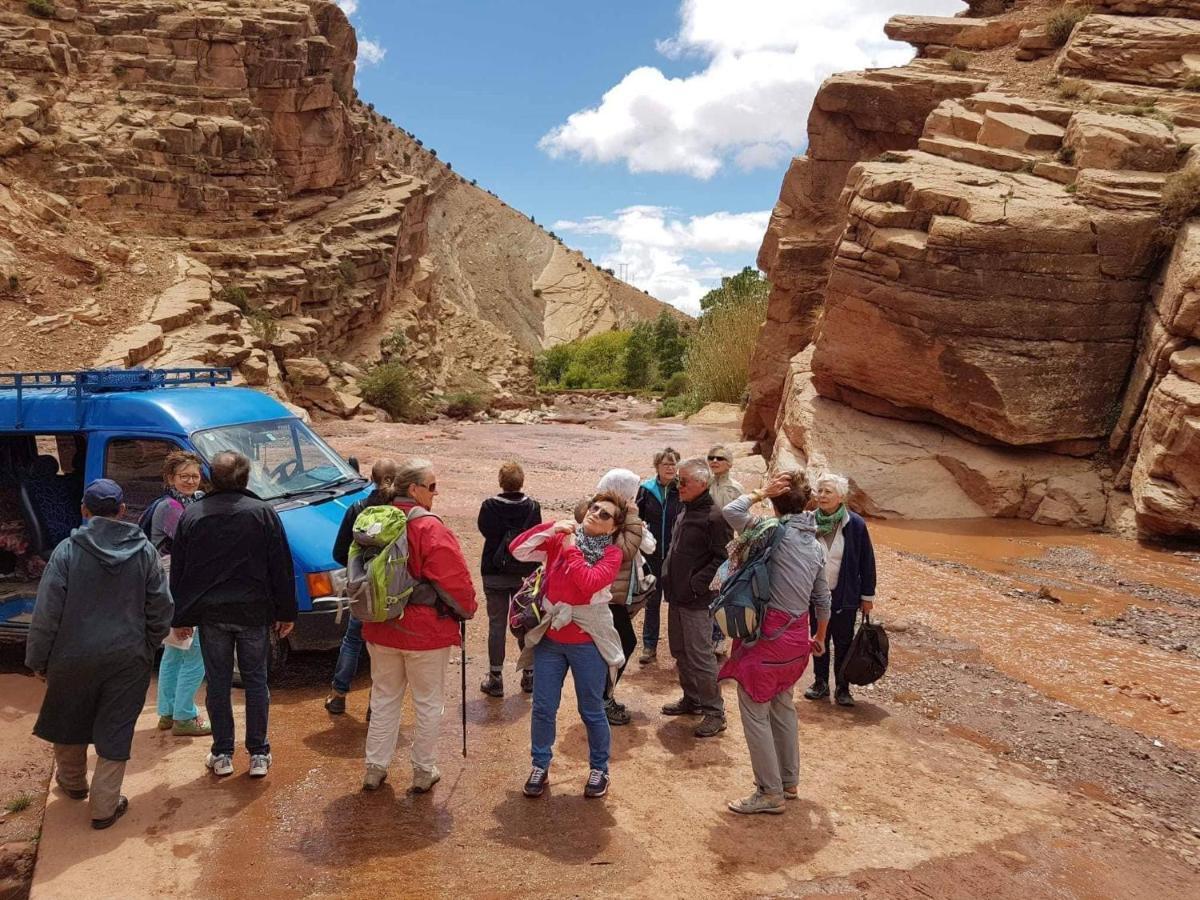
{"x":317,"y":629}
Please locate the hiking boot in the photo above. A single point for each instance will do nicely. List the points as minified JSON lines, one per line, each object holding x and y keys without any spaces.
{"x":374,"y":777}
{"x":842,"y":697}
{"x":819,"y":691}
{"x":649,"y":655}
{"x":527,"y":681}
{"x":535,"y":784}
{"x":681,"y":707}
{"x":493,"y":685}
{"x":424,"y":780}
{"x":219,"y":763}
{"x":196,"y":727}
{"x":166,"y":723}
{"x":597,"y":784}
{"x":710,"y":726}
{"x":122,"y":806}
{"x":758,"y":802}
{"x":259,"y":764}
{"x":335,"y":704}
{"x":617,"y":714}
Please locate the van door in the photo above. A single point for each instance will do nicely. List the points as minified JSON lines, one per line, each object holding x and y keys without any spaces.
{"x":135,"y":462}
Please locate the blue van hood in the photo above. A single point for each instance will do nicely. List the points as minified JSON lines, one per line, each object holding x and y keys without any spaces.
{"x":311,"y":529}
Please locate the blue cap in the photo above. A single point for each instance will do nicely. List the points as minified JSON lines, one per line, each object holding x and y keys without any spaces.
{"x":102,"y":493}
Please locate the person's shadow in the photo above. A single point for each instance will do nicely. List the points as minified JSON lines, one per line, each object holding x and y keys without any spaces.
{"x":565,"y":828}
{"x":764,"y":843}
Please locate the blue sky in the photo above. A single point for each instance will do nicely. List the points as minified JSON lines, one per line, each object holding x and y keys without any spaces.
{"x":653,"y":133}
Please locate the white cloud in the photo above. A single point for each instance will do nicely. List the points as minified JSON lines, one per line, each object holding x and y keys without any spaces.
{"x":763,"y":62}
{"x":349,"y":7}
{"x":370,"y":53}
{"x":670,"y":256}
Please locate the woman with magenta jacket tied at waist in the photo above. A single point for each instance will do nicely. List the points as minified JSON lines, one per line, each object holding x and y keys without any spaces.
{"x":767,"y":671}
{"x":576,"y":632}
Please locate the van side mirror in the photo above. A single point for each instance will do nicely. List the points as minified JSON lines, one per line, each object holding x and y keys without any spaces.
{"x":353,"y":460}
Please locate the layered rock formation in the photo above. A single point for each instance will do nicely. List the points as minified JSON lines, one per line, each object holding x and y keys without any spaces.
{"x":197,"y":183}
{"x":983,"y":307}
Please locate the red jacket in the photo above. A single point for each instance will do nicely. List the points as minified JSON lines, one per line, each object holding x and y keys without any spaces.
{"x":569,"y":578}
{"x":433,"y":555}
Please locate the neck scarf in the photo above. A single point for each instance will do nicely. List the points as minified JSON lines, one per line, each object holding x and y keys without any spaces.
{"x":182,"y":498}
{"x":592,"y":546}
{"x":826,"y":524}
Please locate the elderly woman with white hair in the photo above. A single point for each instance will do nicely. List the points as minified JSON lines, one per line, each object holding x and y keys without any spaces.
{"x":850,"y":571}
{"x":633,"y":539}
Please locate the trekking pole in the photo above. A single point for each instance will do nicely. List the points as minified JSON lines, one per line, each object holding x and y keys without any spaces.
{"x":463,"y":626}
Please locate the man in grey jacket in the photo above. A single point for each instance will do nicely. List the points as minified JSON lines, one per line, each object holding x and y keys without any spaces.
{"x":102,"y":609}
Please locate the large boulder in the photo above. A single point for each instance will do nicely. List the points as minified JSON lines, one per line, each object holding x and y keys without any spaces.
{"x":1157,"y":51}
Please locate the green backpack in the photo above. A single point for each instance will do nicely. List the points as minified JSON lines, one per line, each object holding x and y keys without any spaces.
{"x":378,"y":583}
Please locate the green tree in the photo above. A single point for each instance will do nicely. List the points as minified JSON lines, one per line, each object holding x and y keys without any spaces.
{"x":639,"y":356}
{"x":746,"y":287}
{"x":670,"y":343}
{"x":552,"y":364}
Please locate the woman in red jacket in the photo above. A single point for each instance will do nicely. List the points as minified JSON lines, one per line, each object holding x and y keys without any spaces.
{"x":577,"y":632}
{"x":414,"y":650}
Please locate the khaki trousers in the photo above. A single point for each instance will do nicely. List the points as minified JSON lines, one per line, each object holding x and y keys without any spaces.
{"x":70,"y":760}
{"x":772,"y":734}
{"x":393,"y":672}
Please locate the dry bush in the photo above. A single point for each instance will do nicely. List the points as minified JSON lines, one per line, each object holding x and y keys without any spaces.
{"x":958,"y":60}
{"x":1062,"y":22}
{"x":1181,"y":195}
{"x":1072,"y":88}
{"x":718,"y":355}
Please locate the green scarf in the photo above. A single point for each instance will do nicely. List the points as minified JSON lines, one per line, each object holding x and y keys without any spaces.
{"x":826,"y":524}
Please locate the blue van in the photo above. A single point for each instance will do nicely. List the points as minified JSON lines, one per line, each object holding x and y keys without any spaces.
{"x":60,"y":430}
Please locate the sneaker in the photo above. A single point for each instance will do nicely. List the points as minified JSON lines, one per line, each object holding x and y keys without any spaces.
{"x":424,"y":780}
{"x":220,"y":764}
{"x":259,"y":763}
{"x":649,"y":655}
{"x":527,"y":681}
{"x":101,"y":824}
{"x":535,"y":784}
{"x":493,"y":685}
{"x":196,"y":727}
{"x":710,"y":726}
{"x":680,"y":707}
{"x":597,"y":784}
{"x":335,"y":704}
{"x":819,"y":691}
{"x":166,"y":723}
{"x":842,"y":697}
{"x":374,"y":777}
{"x":758,"y":802}
{"x":617,"y":714}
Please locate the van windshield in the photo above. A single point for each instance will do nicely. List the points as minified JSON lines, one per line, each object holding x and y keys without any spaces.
{"x":286,"y":458}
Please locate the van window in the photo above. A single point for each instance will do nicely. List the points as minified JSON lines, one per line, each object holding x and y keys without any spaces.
{"x":136,"y":464}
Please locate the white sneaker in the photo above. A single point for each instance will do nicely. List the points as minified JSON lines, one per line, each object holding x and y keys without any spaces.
{"x":220,"y":764}
{"x":374,"y":777}
{"x":259,"y":763}
{"x":424,"y":780}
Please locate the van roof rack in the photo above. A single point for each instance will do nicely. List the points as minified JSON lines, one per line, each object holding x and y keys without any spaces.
{"x":106,"y":381}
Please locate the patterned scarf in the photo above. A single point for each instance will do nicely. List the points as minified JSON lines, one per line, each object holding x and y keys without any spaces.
{"x":827,"y":524}
{"x":181,"y":498}
{"x":592,"y":546}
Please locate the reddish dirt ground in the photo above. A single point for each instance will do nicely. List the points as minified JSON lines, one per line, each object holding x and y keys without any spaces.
{"x":1016,"y":748}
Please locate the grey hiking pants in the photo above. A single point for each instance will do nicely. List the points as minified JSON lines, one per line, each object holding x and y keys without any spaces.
{"x":773,"y":737}
{"x":689,"y":633}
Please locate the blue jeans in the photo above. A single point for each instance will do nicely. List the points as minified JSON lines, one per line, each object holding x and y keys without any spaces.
{"x":348,"y":656}
{"x":551,"y":660}
{"x":252,"y":643}
{"x":179,"y":677}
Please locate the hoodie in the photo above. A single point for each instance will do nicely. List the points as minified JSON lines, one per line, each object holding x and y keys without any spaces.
{"x":102,"y":597}
{"x":502,"y":518}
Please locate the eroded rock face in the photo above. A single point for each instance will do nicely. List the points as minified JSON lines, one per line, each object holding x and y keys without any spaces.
{"x":1158,"y":51}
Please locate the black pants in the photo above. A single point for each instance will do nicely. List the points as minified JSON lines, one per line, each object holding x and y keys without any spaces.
{"x":839,"y":635}
{"x":652,"y":621}
{"x":497,"y":610}
{"x":624,"y":625}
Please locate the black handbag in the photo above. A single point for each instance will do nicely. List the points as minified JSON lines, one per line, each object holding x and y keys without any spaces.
{"x":867,"y":659}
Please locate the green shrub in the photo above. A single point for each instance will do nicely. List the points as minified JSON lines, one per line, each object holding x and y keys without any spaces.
{"x":677,"y":385}
{"x":394,"y":344}
{"x":1062,"y":22}
{"x":958,"y":60}
{"x":264,"y":326}
{"x":202,"y":166}
{"x":464,"y":405}
{"x":597,"y":362}
{"x":19,"y":803}
{"x":231,"y":293}
{"x":14,"y":283}
{"x":719,"y":353}
{"x":1181,"y":195}
{"x":677,"y":406}
{"x":392,"y":388}
{"x":43,"y":9}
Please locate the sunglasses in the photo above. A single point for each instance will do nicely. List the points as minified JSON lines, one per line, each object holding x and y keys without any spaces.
{"x":432,"y":486}
{"x":598,"y":510}
{"x":717,"y":459}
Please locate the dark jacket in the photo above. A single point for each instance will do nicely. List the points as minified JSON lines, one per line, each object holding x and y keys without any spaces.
{"x":697,"y":551}
{"x":230,"y":563}
{"x":856,"y":577}
{"x":502,"y":518}
{"x":659,"y":509}
{"x":345,"y":535}
{"x":102,"y":610}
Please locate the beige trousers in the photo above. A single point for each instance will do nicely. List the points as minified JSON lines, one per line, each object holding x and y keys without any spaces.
{"x":393,"y":672}
{"x":70,"y":761}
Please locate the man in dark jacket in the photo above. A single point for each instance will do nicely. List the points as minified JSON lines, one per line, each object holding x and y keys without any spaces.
{"x":697,"y":551}
{"x":231,"y":574}
{"x":502,"y":518}
{"x":383,"y":472}
{"x":658,"y":506}
{"x":102,"y":610}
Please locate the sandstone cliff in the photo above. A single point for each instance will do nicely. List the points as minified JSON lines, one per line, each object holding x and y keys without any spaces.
{"x":197,"y":183}
{"x":981,"y":303}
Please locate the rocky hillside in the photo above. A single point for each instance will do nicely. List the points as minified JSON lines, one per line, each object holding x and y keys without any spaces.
{"x":985,"y":272}
{"x":196,"y":182}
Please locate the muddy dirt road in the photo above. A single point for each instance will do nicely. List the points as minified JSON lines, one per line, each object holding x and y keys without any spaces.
{"x":1037,"y":737}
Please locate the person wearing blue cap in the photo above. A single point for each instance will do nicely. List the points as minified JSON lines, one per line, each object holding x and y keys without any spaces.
{"x":102,"y":609}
